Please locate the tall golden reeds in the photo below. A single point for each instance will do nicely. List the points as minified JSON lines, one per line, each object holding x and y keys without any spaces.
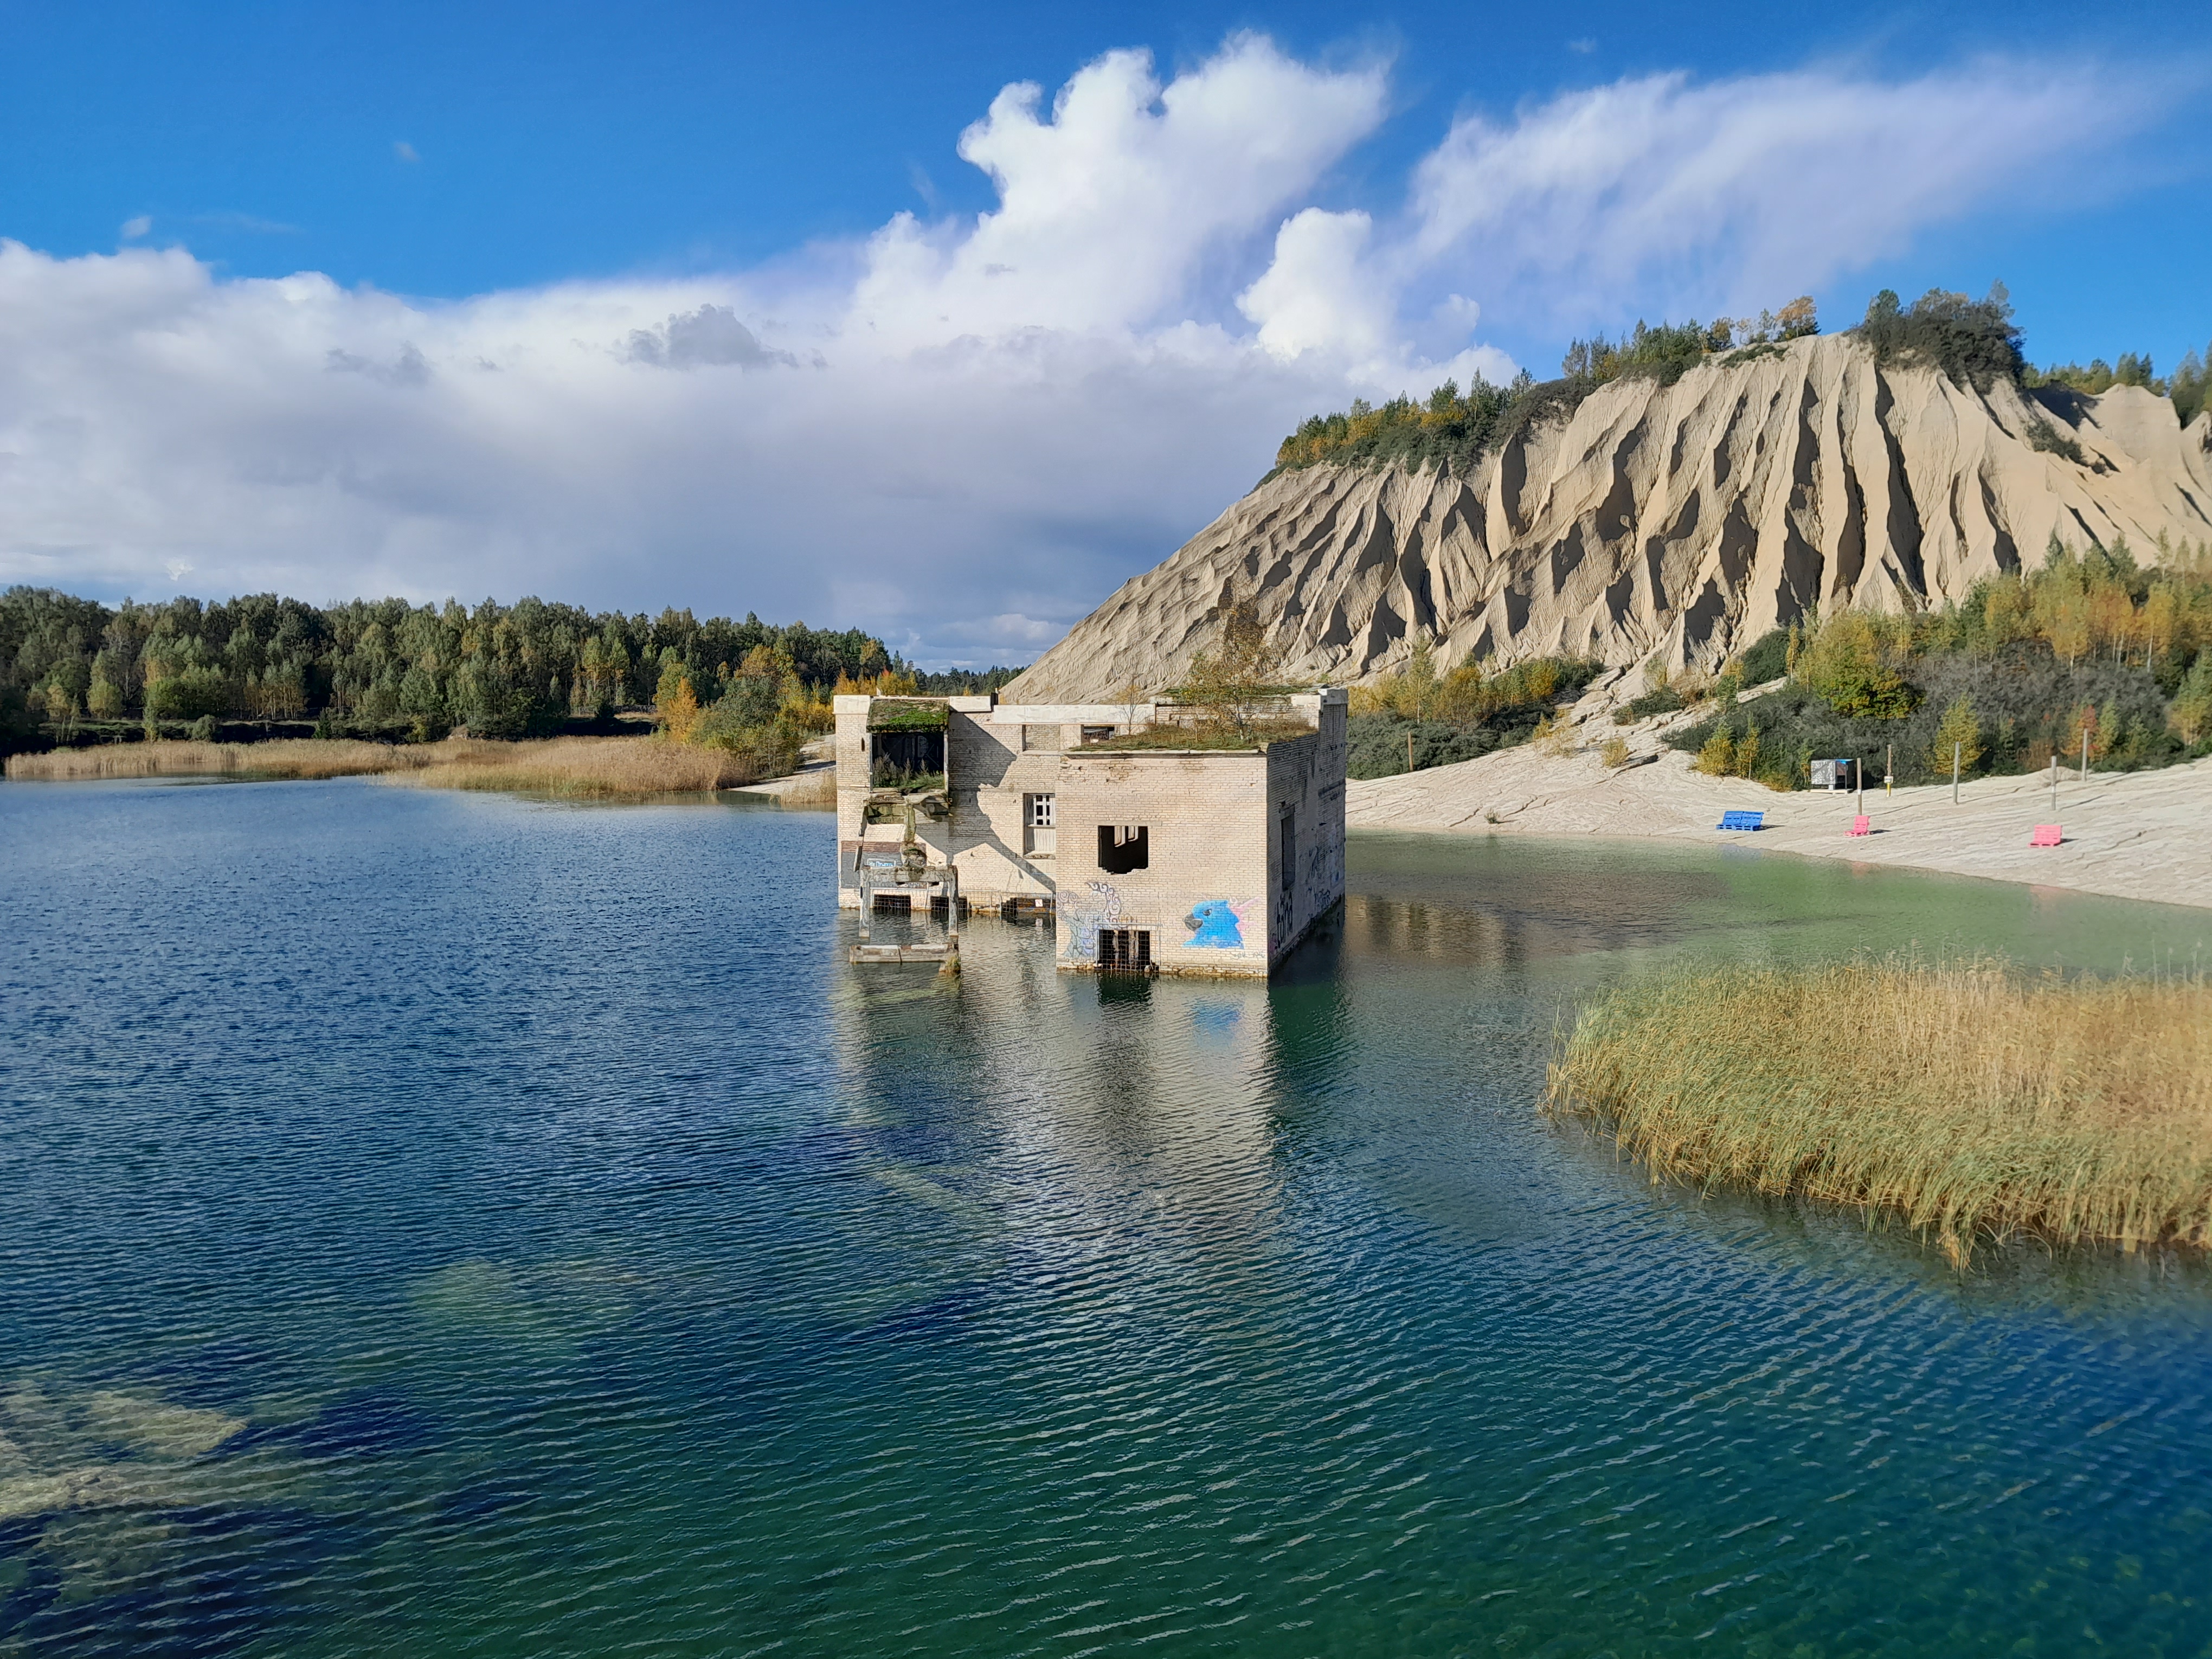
{"x":1972,"y":1101}
{"x":583,"y":768}
{"x":287,"y":757}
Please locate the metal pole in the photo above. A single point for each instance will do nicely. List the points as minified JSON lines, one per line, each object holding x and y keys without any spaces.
{"x":1858,"y":781}
{"x":1889,"y":769}
{"x":2085,"y":754}
{"x":1409,"y":748}
{"x":1954,"y":771}
{"x":2054,"y":779}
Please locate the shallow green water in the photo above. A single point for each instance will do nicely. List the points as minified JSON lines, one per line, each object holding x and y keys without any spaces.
{"x":439,"y":1222}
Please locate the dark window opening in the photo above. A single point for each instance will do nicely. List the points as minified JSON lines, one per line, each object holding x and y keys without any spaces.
{"x":902,"y":757}
{"x":1097,"y":734}
{"x":1126,"y":947}
{"x":1290,"y":851}
{"x":900,"y":901}
{"x":1122,"y":848}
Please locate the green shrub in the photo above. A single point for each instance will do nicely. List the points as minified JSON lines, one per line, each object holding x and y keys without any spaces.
{"x":1973,"y":341}
{"x":1767,"y":657}
{"x":2025,"y":703}
{"x":189,"y":694}
{"x":2042,"y":435}
{"x":1663,"y":700}
{"x":1473,"y":713}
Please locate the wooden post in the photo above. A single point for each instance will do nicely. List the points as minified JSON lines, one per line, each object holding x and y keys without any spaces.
{"x":1858,"y":781}
{"x":2054,"y":781}
{"x":1889,"y":769}
{"x":1955,"y":748}
{"x":2085,"y":754}
{"x":1409,"y":748}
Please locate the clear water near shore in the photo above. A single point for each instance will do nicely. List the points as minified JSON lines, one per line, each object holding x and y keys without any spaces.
{"x":563,"y":1249}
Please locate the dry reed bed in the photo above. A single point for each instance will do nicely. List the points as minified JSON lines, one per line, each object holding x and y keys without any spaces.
{"x":1974,"y":1103}
{"x":582,"y":767}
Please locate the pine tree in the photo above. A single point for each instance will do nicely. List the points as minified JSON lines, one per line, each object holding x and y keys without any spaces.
{"x":1962,"y":727}
{"x":678,"y":706}
{"x":1718,"y":759}
{"x":2192,"y":712}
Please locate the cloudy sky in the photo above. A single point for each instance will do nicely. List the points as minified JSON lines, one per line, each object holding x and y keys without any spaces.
{"x":945,"y":321}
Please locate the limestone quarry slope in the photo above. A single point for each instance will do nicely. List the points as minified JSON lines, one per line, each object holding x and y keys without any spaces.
{"x":1681,"y":520}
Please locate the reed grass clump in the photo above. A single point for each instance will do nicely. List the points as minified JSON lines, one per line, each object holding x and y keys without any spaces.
{"x":1972,"y":1101}
{"x":583,"y":768}
{"x":285,"y":757}
{"x":580,"y":768}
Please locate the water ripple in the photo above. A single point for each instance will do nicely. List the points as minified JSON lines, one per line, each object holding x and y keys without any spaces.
{"x":442,"y":1223}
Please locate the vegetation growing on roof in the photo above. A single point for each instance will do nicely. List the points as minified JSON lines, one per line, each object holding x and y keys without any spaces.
{"x":899,"y":714}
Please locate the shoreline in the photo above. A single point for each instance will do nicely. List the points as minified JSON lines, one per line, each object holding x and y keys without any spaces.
{"x":2144,"y":835}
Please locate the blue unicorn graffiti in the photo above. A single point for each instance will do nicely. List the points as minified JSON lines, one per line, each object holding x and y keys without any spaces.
{"x":1216,"y":922}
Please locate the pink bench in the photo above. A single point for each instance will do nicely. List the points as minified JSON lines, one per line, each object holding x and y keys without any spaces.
{"x":2046,"y":835}
{"x":1861,"y":825}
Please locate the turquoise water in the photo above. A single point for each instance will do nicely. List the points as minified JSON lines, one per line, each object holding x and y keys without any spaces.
{"x":442,"y":1223}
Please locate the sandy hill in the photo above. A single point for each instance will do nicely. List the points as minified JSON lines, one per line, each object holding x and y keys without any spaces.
{"x":1684,"y":521}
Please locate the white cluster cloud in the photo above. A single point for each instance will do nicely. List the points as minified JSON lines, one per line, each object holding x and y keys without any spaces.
{"x":962,"y":432}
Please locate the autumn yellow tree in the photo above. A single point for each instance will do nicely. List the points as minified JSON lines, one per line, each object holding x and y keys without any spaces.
{"x":677,"y":707}
{"x":1961,"y":729}
{"x":1234,"y":680}
{"x":1718,"y":759}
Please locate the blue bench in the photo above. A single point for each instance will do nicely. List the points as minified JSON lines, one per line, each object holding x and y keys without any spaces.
{"x":1740,"y":821}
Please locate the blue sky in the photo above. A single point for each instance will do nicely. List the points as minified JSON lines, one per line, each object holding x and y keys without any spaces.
{"x":474,"y":189}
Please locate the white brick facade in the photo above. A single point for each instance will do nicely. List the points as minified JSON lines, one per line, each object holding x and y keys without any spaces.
{"x":1242,"y":850}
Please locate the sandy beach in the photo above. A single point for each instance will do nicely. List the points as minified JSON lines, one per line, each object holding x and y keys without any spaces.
{"x":2134,"y":835}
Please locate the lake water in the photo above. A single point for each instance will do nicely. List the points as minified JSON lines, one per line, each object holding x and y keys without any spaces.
{"x":440,"y":1224}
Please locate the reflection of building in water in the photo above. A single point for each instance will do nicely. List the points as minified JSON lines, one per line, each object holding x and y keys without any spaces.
{"x":1084,"y":1112}
{"x":1390,"y":927}
{"x":1188,"y":860}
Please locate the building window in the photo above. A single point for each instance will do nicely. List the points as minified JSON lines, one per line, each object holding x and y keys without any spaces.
{"x":1040,"y":811}
{"x":1122,"y":848}
{"x":1097,"y":734}
{"x":1126,"y":947}
{"x":1290,"y":847}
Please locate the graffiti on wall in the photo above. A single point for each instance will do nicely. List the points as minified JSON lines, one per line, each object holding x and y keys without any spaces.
{"x":1086,"y":912}
{"x":1217,"y":924}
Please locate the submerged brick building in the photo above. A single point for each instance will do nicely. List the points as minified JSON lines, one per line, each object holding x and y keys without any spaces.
{"x":1198,"y":859}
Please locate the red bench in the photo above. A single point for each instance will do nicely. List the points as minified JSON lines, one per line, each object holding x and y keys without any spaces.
{"x":2046,"y":835}
{"x":1861,"y":825}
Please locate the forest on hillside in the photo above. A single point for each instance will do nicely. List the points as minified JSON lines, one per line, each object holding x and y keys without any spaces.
{"x":74,"y":670}
{"x":2090,"y":658}
{"x":1973,"y":342}
{"x":2089,"y":651}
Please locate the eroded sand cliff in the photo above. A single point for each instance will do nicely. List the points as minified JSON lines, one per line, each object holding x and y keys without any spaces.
{"x":1684,"y":521}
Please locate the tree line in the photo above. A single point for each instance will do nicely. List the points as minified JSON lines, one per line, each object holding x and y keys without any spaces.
{"x":2090,"y":653}
{"x":1453,"y":429}
{"x":1974,"y":342}
{"x":383,"y":667}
